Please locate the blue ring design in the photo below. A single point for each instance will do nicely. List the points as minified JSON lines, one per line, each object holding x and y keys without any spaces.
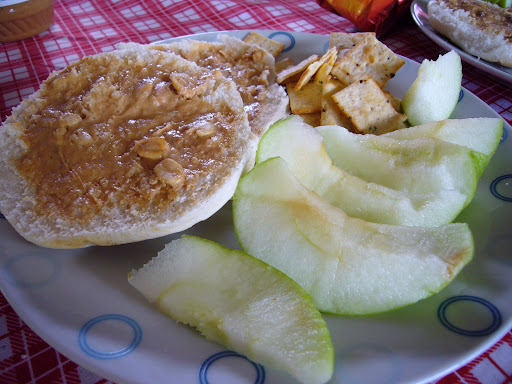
{"x":504,"y":136}
{"x":494,"y":185}
{"x":35,"y":284}
{"x":260,"y":371}
{"x":84,"y":345}
{"x":496,"y":316}
{"x":292,"y":40}
{"x":461,"y":95}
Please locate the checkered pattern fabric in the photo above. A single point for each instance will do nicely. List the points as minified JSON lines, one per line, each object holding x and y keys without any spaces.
{"x":87,"y":27}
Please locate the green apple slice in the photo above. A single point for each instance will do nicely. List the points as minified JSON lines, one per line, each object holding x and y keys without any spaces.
{"x":348,"y":265}
{"x":301,"y":146}
{"x":236,"y":300}
{"x":481,"y":134}
{"x":423,"y":165}
{"x":435,"y":92}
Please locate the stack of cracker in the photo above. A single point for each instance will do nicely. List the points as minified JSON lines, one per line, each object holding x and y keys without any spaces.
{"x":345,"y":86}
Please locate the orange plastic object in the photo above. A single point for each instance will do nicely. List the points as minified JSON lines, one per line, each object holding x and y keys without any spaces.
{"x":371,"y":15}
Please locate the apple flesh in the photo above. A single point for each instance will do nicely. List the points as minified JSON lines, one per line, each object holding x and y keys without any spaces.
{"x":301,"y":146}
{"x":419,"y":166}
{"x":347,"y":265}
{"x":480,"y":134}
{"x":435,"y":92}
{"x":236,"y":300}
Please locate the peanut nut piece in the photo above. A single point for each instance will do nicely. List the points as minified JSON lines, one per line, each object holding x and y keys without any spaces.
{"x":154,"y":148}
{"x":171,"y":173}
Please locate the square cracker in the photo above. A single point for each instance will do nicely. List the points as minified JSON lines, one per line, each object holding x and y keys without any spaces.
{"x":368,"y":57}
{"x":331,"y":114}
{"x":312,"y":119}
{"x":395,"y":101}
{"x":272,"y":46}
{"x":313,"y":68}
{"x":368,"y":108}
{"x":296,"y":69}
{"x":283,"y":64}
{"x":305,"y":100}
{"x":344,"y":40}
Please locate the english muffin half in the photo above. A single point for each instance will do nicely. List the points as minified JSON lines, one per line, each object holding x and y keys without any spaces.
{"x":120,"y":147}
{"x":251,"y":67}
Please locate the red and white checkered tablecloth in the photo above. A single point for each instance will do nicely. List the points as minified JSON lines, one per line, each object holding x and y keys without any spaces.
{"x":88,"y":27}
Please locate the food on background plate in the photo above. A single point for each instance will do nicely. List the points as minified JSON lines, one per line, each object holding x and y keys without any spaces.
{"x":131,"y":145}
{"x":347,"y":265}
{"x":458,"y":167}
{"x":434,"y":94}
{"x":237,"y":301}
{"x":479,"y":27}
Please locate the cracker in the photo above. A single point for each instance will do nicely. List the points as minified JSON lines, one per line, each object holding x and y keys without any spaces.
{"x":331,"y":114}
{"x":285,"y":74}
{"x":312,"y":119}
{"x":395,"y":101}
{"x":343,"y":40}
{"x":368,"y":108}
{"x":305,"y":100}
{"x":283,"y":64}
{"x":308,"y":73}
{"x":272,"y":46}
{"x":324,"y":71}
{"x":368,"y":57}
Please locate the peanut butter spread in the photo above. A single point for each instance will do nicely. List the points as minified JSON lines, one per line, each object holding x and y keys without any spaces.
{"x":113,"y":133}
{"x":487,"y":17}
{"x":248,"y":68}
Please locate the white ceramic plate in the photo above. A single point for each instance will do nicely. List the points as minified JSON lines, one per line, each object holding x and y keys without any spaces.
{"x":80,"y":302}
{"x":420,"y":16}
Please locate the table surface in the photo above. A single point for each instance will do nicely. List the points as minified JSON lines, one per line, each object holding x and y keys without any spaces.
{"x":88,"y":27}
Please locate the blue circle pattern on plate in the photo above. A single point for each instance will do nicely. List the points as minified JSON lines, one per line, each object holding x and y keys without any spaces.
{"x":461,"y":95}
{"x":495,"y":313}
{"x":41,"y":279}
{"x":203,"y":371}
{"x":504,"y":136}
{"x":84,"y":345}
{"x":494,"y":187}
{"x":286,"y":34}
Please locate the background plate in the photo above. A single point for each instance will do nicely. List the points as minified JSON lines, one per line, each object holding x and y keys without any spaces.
{"x":80,"y":302}
{"x":420,"y":17}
